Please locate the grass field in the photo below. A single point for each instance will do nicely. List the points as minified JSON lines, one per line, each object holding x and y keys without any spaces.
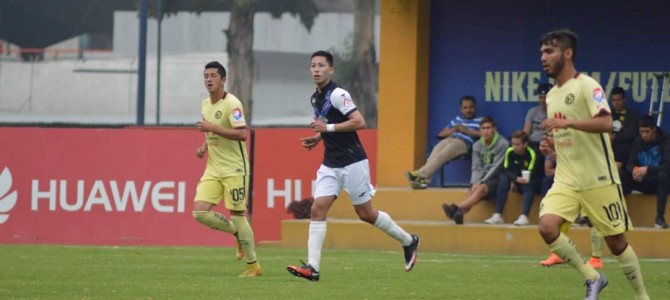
{"x":74,"y":272}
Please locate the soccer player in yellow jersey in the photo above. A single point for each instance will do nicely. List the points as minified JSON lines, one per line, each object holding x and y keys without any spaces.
{"x":226,"y":174}
{"x":586,"y":176}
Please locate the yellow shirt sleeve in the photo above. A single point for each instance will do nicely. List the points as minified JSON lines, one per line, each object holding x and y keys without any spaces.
{"x":595,"y":97}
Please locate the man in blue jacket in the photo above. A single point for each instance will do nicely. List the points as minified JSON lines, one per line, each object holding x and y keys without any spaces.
{"x":648,"y":167}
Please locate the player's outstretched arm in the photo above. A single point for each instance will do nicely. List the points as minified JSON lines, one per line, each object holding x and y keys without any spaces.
{"x":200,"y":152}
{"x":311,"y":141}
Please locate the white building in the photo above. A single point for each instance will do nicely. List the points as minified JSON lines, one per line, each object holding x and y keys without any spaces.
{"x":102,"y":89}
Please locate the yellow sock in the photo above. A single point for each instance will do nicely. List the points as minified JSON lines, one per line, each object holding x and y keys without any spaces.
{"x":596,"y":243}
{"x":214,"y":220}
{"x":565,"y":249}
{"x":565,"y":227}
{"x":631,"y":268}
{"x":246,"y":236}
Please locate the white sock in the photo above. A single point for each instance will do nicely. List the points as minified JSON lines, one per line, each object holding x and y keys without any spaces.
{"x":386,"y":224}
{"x":317,"y":233}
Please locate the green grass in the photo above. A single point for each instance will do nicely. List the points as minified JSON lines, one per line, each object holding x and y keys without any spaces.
{"x":74,"y":272}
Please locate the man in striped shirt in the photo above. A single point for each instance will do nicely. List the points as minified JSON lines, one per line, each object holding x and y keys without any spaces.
{"x":457,"y":138}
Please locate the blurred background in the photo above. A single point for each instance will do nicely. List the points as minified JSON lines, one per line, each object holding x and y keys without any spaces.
{"x":81,"y":61}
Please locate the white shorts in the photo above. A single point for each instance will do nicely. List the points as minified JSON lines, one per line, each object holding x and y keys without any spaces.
{"x":354,"y":178}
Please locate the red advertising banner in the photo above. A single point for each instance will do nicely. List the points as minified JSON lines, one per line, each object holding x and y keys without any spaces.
{"x":284,"y":171}
{"x":135,"y":186}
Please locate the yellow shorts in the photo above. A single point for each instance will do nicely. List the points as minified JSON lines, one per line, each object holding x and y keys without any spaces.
{"x":605,"y":206}
{"x":232,"y":189}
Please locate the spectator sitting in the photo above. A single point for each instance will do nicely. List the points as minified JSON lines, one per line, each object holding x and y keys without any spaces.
{"x":488,"y":154}
{"x":519,"y":157}
{"x":648,"y":167}
{"x":535,"y":116}
{"x":457,"y":138}
{"x":624,"y":125}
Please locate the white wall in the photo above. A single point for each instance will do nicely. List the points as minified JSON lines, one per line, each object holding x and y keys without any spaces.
{"x":89,"y":91}
{"x":188,"y":32}
{"x":97,"y":91}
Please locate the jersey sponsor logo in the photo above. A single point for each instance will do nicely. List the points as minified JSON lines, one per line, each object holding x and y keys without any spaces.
{"x":347,"y":101}
{"x":237,"y":114}
{"x":569,"y":99}
{"x":218,"y":114}
{"x":7,"y":197}
{"x":598,"y":95}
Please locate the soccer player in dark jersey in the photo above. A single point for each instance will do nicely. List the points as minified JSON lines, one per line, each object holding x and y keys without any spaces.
{"x":345,"y":166}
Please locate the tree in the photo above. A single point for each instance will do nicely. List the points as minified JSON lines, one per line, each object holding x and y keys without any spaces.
{"x":240,"y":34}
{"x":357,"y":64}
{"x":365,"y":84}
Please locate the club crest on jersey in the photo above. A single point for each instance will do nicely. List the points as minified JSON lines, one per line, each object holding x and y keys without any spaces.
{"x":237,"y":114}
{"x":218,"y":114}
{"x":598,"y":95}
{"x":569,"y":99}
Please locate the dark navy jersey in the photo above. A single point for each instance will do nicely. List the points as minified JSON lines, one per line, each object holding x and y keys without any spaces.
{"x":342,"y":148}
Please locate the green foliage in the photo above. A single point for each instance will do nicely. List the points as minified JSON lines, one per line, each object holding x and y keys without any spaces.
{"x":67,"y":272}
{"x":305,"y":9}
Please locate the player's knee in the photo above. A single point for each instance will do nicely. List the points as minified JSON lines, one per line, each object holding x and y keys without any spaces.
{"x":317,"y":212}
{"x":367,"y":216}
{"x":548,"y":231}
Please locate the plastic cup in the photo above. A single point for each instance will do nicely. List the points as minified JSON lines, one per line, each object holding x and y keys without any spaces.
{"x":526,"y":175}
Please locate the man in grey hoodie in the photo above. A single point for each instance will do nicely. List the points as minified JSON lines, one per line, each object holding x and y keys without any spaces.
{"x":488,"y":154}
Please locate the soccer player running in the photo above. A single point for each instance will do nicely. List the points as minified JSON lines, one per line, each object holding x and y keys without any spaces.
{"x":345,"y":166}
{"x":586,"y":176}
{"x":226,"y":174}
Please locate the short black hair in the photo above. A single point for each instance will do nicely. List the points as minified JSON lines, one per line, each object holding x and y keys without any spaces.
{"x":218,"y":66}
{"x":544,"y":88}
{"x":618,"y":91}
{"x":487,"y":119}
{"x":563,"y":38}
{"x":468,"y":98}
{"x":647,"y":121}
{"x":324,"y":53}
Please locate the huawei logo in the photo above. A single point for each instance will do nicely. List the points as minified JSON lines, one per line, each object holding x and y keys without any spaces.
{"x":7,"y":198}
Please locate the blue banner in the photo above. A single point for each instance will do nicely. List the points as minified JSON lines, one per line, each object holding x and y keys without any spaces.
{"x":490,"y":49}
